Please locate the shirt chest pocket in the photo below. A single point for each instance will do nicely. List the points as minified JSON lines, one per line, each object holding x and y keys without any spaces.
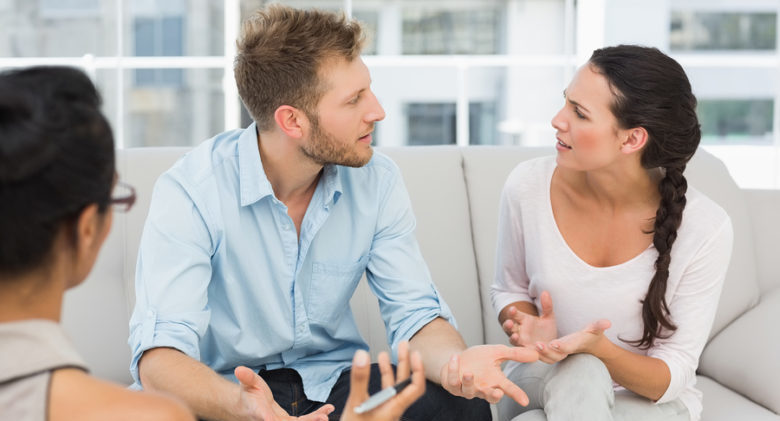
{"x":331,"y":288}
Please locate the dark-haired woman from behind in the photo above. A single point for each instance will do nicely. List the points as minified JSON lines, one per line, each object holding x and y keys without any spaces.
{"x":57,"y":176}
{"x":609,"y":232}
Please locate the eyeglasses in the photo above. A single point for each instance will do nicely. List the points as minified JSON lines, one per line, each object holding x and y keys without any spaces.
{"x":123,"y":197}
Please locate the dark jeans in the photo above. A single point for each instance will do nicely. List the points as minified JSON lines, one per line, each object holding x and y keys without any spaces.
{"x":435,"y":405}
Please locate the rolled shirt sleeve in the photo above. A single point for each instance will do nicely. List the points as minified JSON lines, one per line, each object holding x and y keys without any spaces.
{"x":172,"y":274}
{"x":396,"y":271}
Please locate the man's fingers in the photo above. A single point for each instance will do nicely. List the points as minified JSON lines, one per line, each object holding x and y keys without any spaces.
{"x":547,"y":304}
{"x":386,"y":370}
{"x":453,"y":374}
{"x":491,"y":394}
{"x":467,"y":386}
{"x":513,"y":391}
{"x":325,"y":410}
{"x":402,"y":371}
{"x":518,"y":353}
{"x":321,"y":414}
{"x":250,"y":379}
{"x":495,"y":395}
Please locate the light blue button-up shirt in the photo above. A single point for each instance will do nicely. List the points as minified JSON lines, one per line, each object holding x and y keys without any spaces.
{"x":223,"y":277}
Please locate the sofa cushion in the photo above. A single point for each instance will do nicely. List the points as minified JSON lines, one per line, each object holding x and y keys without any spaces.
{"x":740,"y":290}
{"x":763,"y":206}
{"x":434,"y":179}
{"x":722,"y":404}
{"x":96,"y":314}
{"x":749,"y":345}
{"x":486,"y":169}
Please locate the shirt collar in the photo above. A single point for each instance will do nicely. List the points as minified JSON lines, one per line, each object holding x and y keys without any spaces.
{"x":331,"y":183}
{"x":253,"y":182}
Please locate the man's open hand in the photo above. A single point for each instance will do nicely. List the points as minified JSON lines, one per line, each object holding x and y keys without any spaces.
{"x":257,"y":401}
{"x":476,"y":373}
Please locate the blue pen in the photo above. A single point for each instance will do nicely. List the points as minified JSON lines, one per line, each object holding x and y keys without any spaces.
{"x":382,"y":396}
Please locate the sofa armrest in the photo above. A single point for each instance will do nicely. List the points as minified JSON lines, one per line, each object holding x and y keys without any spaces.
{"x":745,"y":356}
{"x":764,"y":208}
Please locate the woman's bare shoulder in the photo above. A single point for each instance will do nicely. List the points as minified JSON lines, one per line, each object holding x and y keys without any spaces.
{"x":76,"y":395}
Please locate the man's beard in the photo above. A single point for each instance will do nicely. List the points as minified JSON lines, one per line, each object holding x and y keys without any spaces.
{"x":323,"y":148}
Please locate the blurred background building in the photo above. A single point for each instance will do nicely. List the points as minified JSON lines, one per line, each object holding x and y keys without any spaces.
{"x":460,"y":72}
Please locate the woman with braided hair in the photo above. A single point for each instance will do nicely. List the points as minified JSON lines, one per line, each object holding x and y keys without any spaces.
{"x":609,"y":231}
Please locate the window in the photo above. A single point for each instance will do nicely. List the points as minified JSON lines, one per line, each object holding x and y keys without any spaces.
{"x":696,"y":31}
{"x":443,"y":31}
{"x":161,"y":36}
{"x":435,"y":123}
{"x":69,"y":8}
{"x":461,"y":71}
{"x":743,"y":121}
{"x":430,"y":124}
{"x":52,"y":28}
{"x":370,"y":20}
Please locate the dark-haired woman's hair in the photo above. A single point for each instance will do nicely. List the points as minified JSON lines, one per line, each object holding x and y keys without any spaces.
{"x":651,"y":90}
{"x":56,"y":157}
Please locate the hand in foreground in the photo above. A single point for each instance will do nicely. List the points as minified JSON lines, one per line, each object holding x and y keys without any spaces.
{"x":392,"y":409}
{"x":257,"y":401}
{"x":526,"y":330}
{"x":476,"y":372}
{"x":584,"y":341}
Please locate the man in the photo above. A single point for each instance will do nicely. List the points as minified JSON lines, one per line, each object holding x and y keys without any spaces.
{"x":256,"y":240}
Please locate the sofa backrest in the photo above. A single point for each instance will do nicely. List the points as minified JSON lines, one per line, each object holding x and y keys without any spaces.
{"x":454,"y":192}
{"x":434,"y":179}
{"x":96,"y":314}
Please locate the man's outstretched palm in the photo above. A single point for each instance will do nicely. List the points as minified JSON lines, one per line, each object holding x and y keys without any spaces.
{"x":258,"y":401}
{"x":476,"y":372}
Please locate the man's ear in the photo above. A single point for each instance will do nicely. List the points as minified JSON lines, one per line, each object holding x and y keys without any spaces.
{"x":291,"y":121}
{"x":635,"y":140}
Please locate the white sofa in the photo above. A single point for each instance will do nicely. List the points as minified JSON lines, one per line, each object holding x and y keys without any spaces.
{"x":455,"y":193}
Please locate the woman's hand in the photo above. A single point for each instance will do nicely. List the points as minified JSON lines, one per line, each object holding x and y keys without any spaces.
{"x":392,"y":409}
{"x":585,"y":341}
{"x":527,"y":330}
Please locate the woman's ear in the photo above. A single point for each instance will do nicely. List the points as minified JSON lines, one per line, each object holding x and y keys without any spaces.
{"x":635,"y":140}
{"x":291,"y":121}
{"x":87,"y":226}
{"x":92,"y":228}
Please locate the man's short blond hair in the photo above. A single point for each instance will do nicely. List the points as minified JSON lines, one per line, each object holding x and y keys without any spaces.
{"x":280,"y":52}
